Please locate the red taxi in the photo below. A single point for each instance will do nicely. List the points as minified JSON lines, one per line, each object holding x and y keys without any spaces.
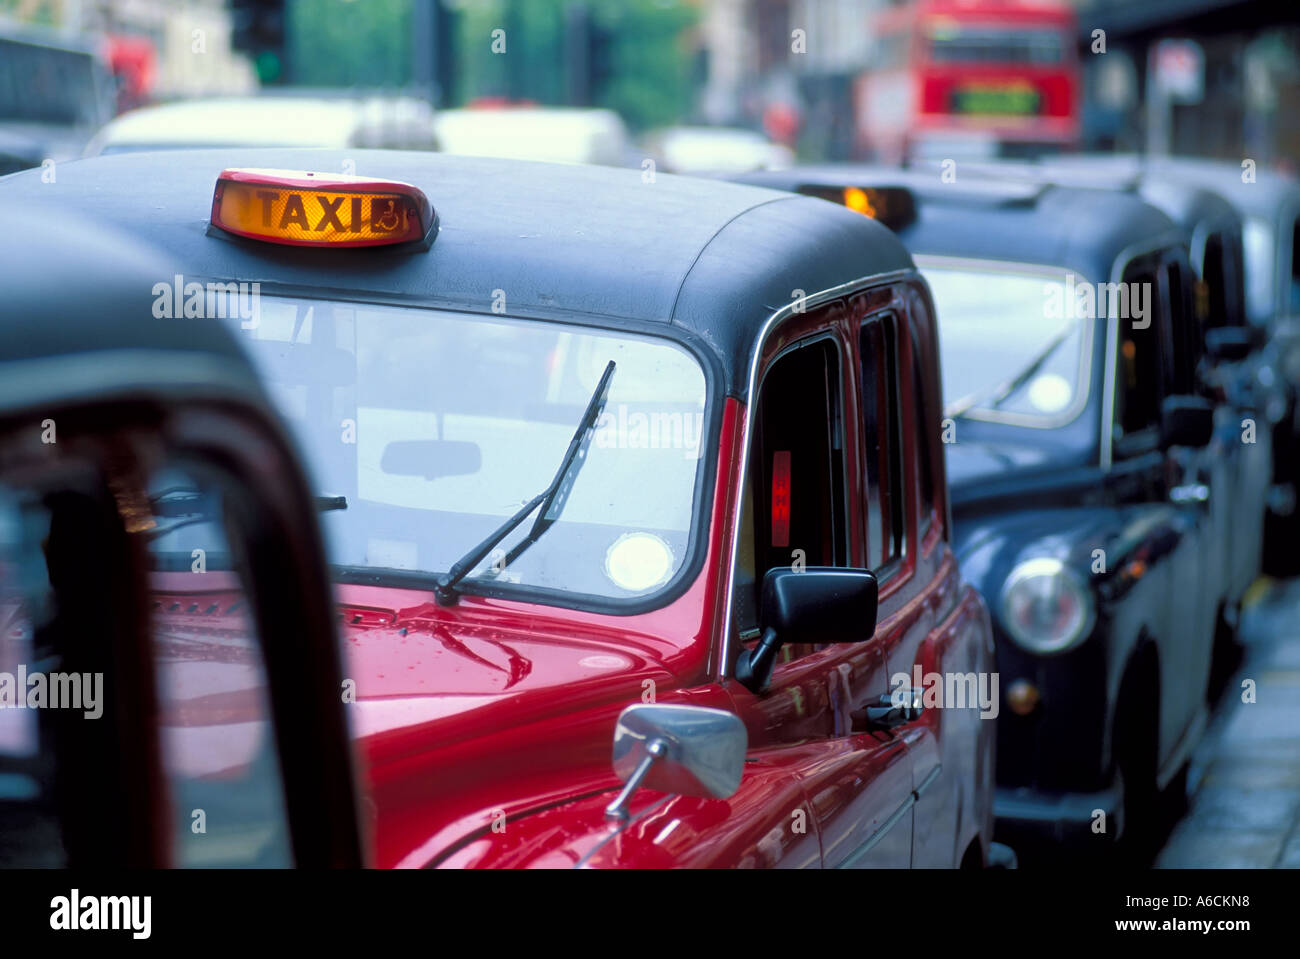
{"x":608,"y":469}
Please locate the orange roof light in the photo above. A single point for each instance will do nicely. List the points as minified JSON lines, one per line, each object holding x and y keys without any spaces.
{"x":301,"y":208}
{"x":859,"y":201}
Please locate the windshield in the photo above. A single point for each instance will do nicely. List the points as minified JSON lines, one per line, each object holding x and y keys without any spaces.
{"x":1013,"y":346}
{"x":437,"y":426}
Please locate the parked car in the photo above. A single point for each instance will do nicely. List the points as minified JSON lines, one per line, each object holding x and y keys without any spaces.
{"x":1269,"y":202}
{"x":1233,"y":366}
{"x":1076,"y":513}
{"x":489,"y":388}
{"x":715,"y":150}
{"x":54,"y":93}
{"x":549,"y":134}
{"x":192,"y":713}
{"x":338,"y":120}
{"x":1242,"y":365}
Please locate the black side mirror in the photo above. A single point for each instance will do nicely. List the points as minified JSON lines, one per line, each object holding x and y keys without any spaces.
{"x":821,"y":604}
{"x":1186,"y":421}
{"x":1229,"y":344}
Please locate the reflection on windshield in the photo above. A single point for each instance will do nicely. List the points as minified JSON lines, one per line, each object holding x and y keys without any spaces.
{"x":1006,"y":345}
{"x":437,"y":426}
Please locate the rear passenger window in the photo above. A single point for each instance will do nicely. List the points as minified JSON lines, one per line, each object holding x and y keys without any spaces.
{"x":1295,"y":269}
{"x":882,"y":440}
{"x":1184,"y":338}
{"x":796,"y":503}
{"x":925,"y":433}
{"x":1212,"y":306}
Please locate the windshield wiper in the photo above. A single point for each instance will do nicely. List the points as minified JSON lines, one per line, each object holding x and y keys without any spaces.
{"x":994,"y":396}
{"x":551,"y":500}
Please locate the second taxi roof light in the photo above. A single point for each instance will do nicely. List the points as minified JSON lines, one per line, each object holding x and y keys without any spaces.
{"x":303,"y":208}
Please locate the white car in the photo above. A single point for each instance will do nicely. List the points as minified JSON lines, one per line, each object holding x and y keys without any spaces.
{"x":718,"y":150}
{"x":394,"y":122}
{"x":554,"y":134}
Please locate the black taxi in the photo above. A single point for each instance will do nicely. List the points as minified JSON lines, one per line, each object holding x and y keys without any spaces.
{"x":1077,"y":445}
{"x":602,"y":458}
{"x":156,"y":531}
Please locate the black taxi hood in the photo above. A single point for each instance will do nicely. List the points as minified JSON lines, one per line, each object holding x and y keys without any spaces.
{"x":711,"y":260}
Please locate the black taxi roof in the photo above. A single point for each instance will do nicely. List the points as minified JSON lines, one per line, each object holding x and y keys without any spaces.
{"x":708,"y":259}
{"x":1023,"y":220}
{"x":76,"y":291}
{"x":1189,"y":205}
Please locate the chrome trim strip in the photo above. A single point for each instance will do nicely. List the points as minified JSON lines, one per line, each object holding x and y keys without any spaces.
{"x":862,"y":284}
{"x":853,"y":858}
{"x":1080,"y":400}
{"x":929,"y":780}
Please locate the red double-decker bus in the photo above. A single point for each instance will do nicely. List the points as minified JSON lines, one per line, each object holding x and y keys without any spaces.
{"x":963,"y":77}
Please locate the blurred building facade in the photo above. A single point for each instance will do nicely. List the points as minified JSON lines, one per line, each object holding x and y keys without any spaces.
{"x":1248,"y":101}
{"x":158,"y":49}
{"x":778,"y":63}
{"x":760,"y":69}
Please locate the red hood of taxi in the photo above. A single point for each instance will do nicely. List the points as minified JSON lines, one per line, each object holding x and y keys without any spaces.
{"x":487,"y":710}
{"x":414,"y":662}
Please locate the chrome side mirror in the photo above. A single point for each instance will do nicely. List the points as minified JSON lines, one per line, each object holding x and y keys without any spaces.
{"x":685,"y":750}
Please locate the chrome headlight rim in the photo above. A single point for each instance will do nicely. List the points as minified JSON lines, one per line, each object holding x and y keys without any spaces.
{"x":1037,"y":567}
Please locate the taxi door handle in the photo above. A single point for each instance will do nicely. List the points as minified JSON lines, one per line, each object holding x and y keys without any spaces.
{"x":886,"y":713}
{"x":1189,"y":493}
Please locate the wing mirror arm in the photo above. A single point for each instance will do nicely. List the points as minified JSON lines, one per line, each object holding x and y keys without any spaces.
{"x":754,"y":667}
{"x":654,"y":750}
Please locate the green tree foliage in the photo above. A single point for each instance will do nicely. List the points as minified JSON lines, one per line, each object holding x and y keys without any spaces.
{"x":650,"y":80}
{"x":345,"y":43}
{"x":368,"y":43}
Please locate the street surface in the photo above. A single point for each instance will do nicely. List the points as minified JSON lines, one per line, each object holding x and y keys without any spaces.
{"x":1244,"y":782}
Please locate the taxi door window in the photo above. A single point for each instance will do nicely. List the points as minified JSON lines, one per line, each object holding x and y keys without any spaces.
{"x":64,"y":786}
{"x":216,"y":735}
{"x":1294,"y":284}
{"x":795,"y":507}
{"x":1139,"y":379}
{"x":1212,"y":298}
{"x":925,"y":427}
{"x":1183,"y":333}
{"x":882,"y":441}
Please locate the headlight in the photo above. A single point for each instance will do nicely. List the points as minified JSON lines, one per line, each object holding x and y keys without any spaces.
{"x":1045,"y":607}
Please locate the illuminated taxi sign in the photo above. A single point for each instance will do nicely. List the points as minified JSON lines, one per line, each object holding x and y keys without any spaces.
{"x":302,"y":208}
{"x":893,"y":206}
